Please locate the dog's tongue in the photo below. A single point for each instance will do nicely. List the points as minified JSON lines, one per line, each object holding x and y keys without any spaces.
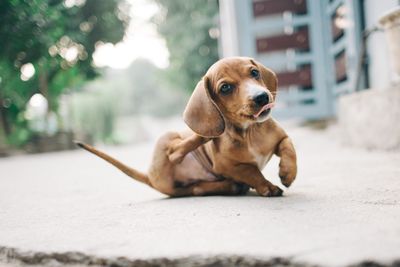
{"x":267,"y":106}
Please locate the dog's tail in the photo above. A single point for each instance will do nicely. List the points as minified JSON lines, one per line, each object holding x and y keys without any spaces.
{"x":135,"y":174}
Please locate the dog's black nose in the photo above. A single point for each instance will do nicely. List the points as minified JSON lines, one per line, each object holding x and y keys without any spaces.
{"x":261,"y":99}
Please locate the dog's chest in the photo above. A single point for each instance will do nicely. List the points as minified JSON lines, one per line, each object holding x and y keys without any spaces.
{"x":259,"y":157}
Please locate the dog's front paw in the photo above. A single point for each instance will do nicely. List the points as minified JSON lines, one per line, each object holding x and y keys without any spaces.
{"x":270,"y":191}
{"x":287,"y":173}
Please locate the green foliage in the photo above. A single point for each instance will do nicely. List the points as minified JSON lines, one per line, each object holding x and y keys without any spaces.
{"x":99,"y":107}
{"x":118,"y":95}
{"x":187,"y":27}
{"x":146,"y":93}
{"x":43,"y":33}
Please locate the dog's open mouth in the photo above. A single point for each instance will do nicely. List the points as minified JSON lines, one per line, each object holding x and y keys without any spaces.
{"x":265,"y":110}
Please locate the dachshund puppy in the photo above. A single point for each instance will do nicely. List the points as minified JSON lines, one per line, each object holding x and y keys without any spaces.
{"x":232,"y":137}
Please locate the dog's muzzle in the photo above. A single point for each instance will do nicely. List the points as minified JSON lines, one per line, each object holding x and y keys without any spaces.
{"x":261,"y":99}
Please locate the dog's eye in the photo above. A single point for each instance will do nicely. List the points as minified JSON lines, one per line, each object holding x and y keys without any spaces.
{"x":226,"y":88}
{"x":255,"y":73}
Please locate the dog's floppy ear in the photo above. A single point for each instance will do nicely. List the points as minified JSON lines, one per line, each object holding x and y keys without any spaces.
{"x":268,"y":76}
{"x":202,"y":114}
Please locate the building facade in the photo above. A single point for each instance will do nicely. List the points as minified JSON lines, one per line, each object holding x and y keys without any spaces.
{"x":314,"y":47}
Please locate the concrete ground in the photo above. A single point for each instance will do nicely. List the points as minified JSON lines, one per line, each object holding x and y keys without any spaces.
{"x":344,"y":209}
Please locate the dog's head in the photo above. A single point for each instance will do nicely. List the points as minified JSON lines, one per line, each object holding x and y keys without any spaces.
{"x":239,"y":90}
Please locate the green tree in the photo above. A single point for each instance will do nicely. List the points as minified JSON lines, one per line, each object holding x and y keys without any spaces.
{"x":57,"y":38}
{"x":191,"y":32}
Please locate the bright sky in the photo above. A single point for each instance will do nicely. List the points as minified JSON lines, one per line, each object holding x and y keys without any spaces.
{"x":141,"y":41}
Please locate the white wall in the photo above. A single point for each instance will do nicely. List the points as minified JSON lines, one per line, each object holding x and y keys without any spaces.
{"x":229,"y":43}
{"x":380,"y":71}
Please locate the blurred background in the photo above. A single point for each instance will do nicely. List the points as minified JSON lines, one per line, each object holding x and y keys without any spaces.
{"x":117,"y":71}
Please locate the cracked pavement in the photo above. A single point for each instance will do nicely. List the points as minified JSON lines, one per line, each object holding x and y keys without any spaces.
{"x":343,"y":209}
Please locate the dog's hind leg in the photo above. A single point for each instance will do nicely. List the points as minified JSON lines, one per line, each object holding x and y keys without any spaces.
{"x":165,"y":173}
{"x":181,"y":146}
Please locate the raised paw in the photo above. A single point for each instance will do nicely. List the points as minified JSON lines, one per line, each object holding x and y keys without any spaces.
{"x":176,"y":157}
{"x":287,"y":173}
{"x":175,"y":153}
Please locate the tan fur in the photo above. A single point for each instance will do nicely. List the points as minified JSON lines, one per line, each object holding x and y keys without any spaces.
{"x":228,"y":145}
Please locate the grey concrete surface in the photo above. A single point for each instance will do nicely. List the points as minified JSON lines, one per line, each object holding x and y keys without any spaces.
{"x":343,"y":209}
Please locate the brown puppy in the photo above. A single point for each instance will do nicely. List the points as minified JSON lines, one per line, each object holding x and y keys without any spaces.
{"x":233,"y":137}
